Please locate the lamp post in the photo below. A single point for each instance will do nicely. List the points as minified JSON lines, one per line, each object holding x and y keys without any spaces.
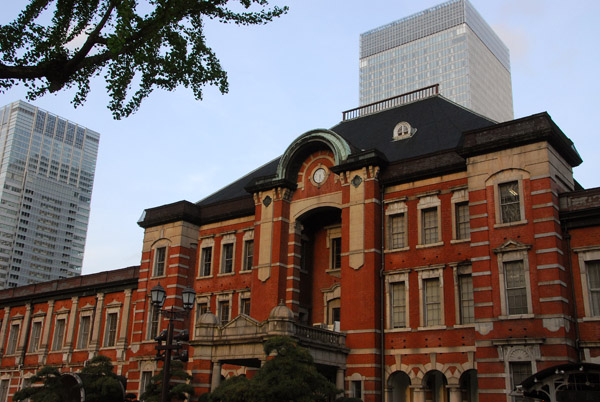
{"x":157,"y":297}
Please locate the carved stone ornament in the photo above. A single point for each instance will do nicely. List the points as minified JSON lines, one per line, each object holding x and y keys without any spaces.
{"x":356,"y":181}
{"x":267,"y":201}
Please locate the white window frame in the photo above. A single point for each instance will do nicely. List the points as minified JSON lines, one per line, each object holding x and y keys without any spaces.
{"x":248,"y":239}
{"x":511,"y":252}
{"x":391,"y":278}
{"x":155,"y":265}
{"x":458,"y":271}
{"x":354,"y":379}
{"x":34,"y":347}
{"x":64,"y":318}
{"x":429,"y":202}
{"x":332,"y":234}
{"x":202,"y":299}
{"x":221,"y":298}
{"x":517,"y":353}
{"x":585,"y":255}
{"x":395,"y":209}
{"x":4,"y":388}
{"x":207,"y":243}
{"x":503,"y":178}
{"x":245,"y":295}
{"x":13,"y":344}
{"x":459,"y":197}
{"x":89,"y":316}
{"x":424,"y":273}
{"x":106,"y":335}
{"x":227,"y":240}
{"x":152,"y":311}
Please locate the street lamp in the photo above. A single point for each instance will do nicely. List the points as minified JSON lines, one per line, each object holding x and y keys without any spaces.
{"x":157,"y":297}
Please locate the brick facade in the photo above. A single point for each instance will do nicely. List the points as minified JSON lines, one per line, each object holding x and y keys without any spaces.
{"x":413,"y":271}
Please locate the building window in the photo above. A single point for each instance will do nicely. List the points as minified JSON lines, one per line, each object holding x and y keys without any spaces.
{"x":159,"y":261}
{"x":248,"y":254}
{"x":110,"y":331}
{"x":145,"y":381}
{"x":461,"y":219}
{"x":432,"y":302}
{"x":154,"y":322}
{"x":593,"y":273}
{"x":206,"y":261}
{"x":201,"y":308}
{"x":397,"y":230}
{"x":224,"y":312}
{"x":467,"y":304}
{"x":429,"y":221}
{"x":34,"y":339}
{"x":336,"y":253}
{"x":13,"y":335}
{"x":398,"y":304}
{"x":84,"y":331}
{"x":519,"y":371}
{"x":516,"y":287}
{"x":4,"y":390}
{"x":356,"y":389}
{"x":227,"y":259}
{"x":59,"y":334}
{"x":245,"y":306}
{"x":510,"y":203}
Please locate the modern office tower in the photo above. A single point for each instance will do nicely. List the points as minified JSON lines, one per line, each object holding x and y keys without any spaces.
{"x":450,"y":45}
{"x":47,"y":167}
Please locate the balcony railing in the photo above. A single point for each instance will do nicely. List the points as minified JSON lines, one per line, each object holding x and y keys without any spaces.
{"x":391,"y":102}
{"x":320,"y":335}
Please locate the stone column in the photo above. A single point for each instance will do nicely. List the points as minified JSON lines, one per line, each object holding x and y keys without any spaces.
{"x":95,"y":340}
{"x":3,"y":330}
{"x":418,"y":393}
{"x":339,"y":380}
{"x":122,"y":341}
{"x":24,"y":333}
{"x":216,"y":376}
{"x":455,"y":393}
{"x":46,"y":333}
{"x":71,"y":326}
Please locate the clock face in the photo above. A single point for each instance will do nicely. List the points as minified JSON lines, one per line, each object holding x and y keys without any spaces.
{"x":319,"y":175}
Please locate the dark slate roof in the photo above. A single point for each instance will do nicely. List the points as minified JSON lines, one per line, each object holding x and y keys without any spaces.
{"x":439,"y":123}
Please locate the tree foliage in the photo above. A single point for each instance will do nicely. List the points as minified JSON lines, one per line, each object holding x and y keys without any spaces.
{"x":57,"y":44}
{"x":290,"y":375}
{"x":53,"y":388}
{"x":100,"y":383}
{"x":179,"y":387}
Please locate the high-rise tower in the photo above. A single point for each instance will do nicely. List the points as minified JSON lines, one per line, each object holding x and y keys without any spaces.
{"x":449,"y":44}
{"x":47,"y":167}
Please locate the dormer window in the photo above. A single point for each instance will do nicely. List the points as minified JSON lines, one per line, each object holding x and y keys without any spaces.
{"x":403,"y":130}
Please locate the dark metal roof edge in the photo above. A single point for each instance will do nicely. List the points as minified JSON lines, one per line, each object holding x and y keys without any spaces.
{"x":168,"y":213}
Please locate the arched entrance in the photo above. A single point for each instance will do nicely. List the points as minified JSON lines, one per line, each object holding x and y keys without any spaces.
{"x":320,"y":267}
{"x":398,"y":385}
{"x":469,"y":386}
{"x":434,"y":384}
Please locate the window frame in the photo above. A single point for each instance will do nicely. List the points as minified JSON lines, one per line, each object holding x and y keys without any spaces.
{"x":505,"y":178}
{"x":462,"y":271}
{"x":426,"y":204}
{"x":58,"y":338}
{"x":248,"y":251}
{"x":513,"y":251}
{"x":585,"y":256}
{"x":160,"y":263}
{"x":108,"y":330}
{"x":13,"y":341}
{"x":220,"y":304}
{"x":395,"y":210}
{"x":425,"y":274}
{"x":334,"y":245}
{"x":153,"y":328}
{"x":84,"y":342}
{"x":34,"y":345}
{"x":206,"y":248}
{"x":227,"y":242}
{"x":243,"y":300}
{"x":460,"y":199}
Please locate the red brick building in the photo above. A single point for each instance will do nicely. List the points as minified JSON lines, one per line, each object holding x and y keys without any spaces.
{"x":420,"y":251}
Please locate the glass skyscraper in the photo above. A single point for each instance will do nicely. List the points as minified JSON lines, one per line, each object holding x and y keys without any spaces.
{"x":450,"y":45}
{"x":47,"y":167}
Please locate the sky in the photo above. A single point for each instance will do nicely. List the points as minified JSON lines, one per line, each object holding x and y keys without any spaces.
{"x":296,"y":74}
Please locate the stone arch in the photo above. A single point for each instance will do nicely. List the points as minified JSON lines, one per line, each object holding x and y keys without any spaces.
{"x":398,"y":387}
{"x":306,"y":144}
{"x":469,"y":386}
{"x":435,"y":386}
{"x":507,"y":174}
{"x":161,"y":242}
